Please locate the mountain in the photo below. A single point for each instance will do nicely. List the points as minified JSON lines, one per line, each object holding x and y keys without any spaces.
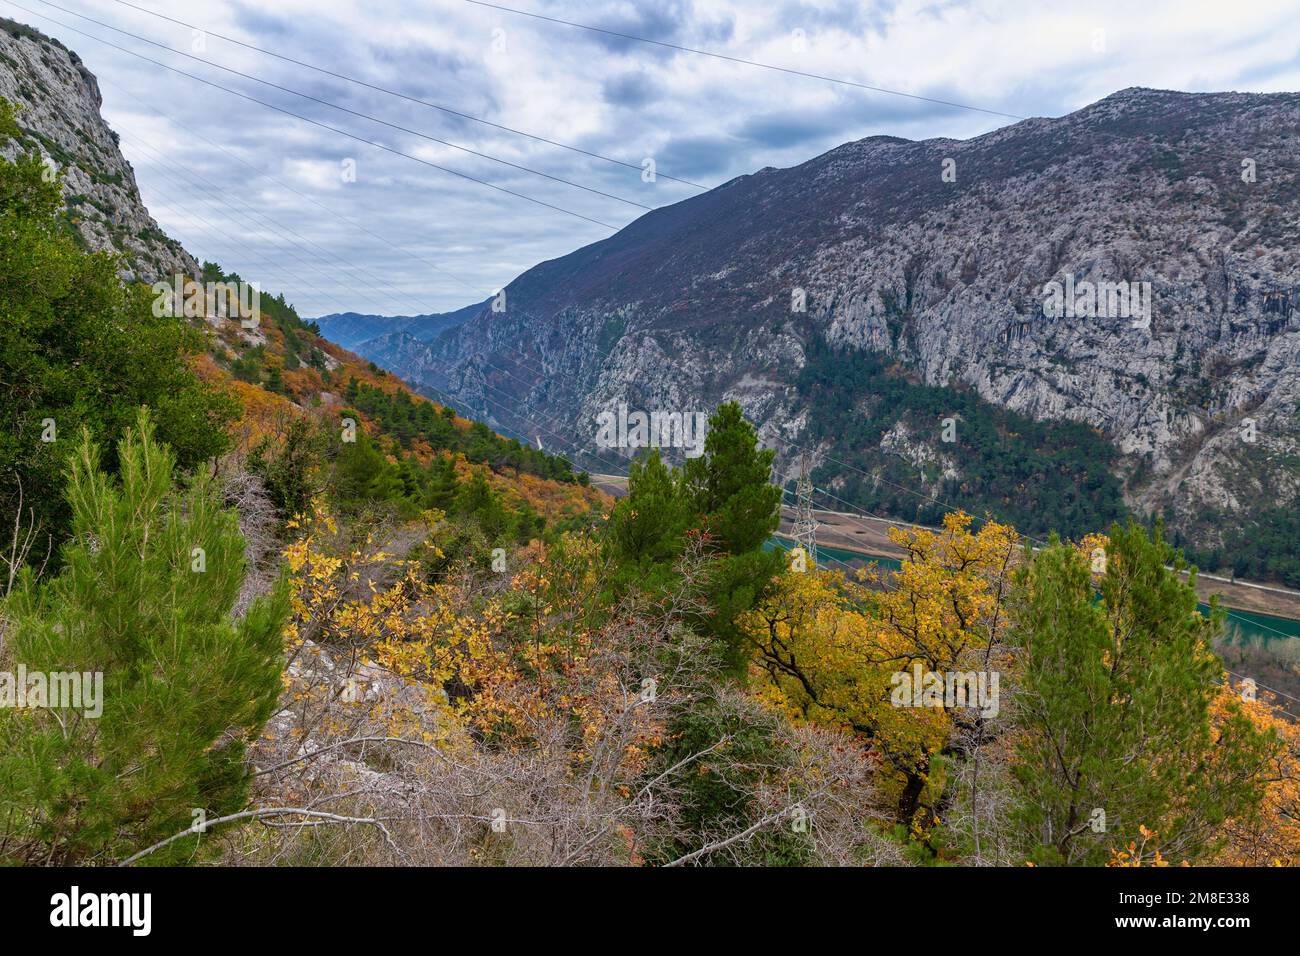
{"x":59,"y":103}
{"x":945,"y":279}
{"x":351,"y":329}
{"x":281,"y":368}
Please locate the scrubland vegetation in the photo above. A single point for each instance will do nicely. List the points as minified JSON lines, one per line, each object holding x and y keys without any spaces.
{"x":414,"y":642}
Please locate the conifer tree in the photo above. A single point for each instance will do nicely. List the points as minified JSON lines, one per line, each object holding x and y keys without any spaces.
{"x":649,"y":524}
{"x":730,"y":485}
{"x":726,"y":493}
{"x":1115,"y":708}
{"x":441,"y":490}
{"x":144,"y":598}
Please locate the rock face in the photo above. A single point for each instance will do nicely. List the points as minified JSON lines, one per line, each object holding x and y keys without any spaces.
{"x":939,"y":253}
{"x":59,"y":103}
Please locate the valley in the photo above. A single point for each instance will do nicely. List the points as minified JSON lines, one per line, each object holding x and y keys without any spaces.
{"x":855,"y":539}
{"x":315,"y":558}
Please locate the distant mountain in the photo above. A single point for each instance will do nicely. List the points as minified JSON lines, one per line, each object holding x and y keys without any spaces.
{"x":1197,"y":195}
{"x":279,"y":368}
{"x":351,"y":329}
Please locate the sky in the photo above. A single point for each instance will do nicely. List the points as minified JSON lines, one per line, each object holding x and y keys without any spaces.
{"x":324,"y":207}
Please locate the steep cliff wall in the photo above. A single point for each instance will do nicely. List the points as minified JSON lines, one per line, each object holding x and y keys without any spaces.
{"x":59,"y":103}
{"x":1196,"y":195}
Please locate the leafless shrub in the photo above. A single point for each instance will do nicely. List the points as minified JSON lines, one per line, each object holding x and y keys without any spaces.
{"x":981,"y":797}
{"x":246,"y":493}
{"x":26,"y":534}
{"x":363,"y":766}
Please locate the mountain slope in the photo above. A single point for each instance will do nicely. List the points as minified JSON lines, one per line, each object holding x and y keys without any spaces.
{"x":59,"y":103}
{"x":693,"y":302}
{"x":280,"y":367}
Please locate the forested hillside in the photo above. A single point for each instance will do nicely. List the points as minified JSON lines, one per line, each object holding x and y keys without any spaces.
{"x":314,"y":619}
{"x":732,"y":293}
{"x":1040,"y":476}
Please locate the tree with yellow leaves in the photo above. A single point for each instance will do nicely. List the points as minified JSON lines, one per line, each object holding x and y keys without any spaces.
{"x":834,"y":651}
{"x":1269,"y":835}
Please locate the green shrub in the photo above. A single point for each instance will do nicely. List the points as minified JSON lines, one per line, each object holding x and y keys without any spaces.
{"x":144,"y":598}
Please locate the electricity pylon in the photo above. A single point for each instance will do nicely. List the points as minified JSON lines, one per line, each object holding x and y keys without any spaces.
{"x":805,"y":520}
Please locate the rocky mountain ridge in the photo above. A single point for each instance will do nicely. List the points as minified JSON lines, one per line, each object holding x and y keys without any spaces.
{"x":59,"y":102}
{"x":937,"y":253}
{"x":350,"y":329}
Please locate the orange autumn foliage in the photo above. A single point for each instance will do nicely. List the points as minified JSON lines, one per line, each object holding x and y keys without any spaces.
{"x":1271,"y":836}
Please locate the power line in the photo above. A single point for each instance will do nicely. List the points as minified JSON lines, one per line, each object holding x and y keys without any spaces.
{"x":805,"y":526}
{"x":133,"y":6}
{"x":566,"y":441}
{"x":587,"y":452}
{"x":708,"y":53}
{"x":280,"y":228}
{"x":802,"y":450}
{"x":788,"y":444}
{"x":574,"y":447}
{"x":216,"y":231}
{"x":404,"y":96}
{"x":784,"y":442}
{"x":325,"y":126}
{"x":885,"y":584}
{"x":737,"y":59}
{"x":275,"y":226}
{"x":344,"y":109}
{"x":1272,"y":690}
{"x":453,"y":172}
{"x":945,"y":504}
{"x":261,"y":172}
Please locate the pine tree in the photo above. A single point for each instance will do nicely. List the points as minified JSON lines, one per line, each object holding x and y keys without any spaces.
{"x":363,"y":474}
{"x":1115,"y":708}
{"x":440,"y":492}
{"x":731,"y":483}
{"x":650,"y":522}
{"x":144,"y":598}
{"x":726,"y":493}
{"x":477,"y":500}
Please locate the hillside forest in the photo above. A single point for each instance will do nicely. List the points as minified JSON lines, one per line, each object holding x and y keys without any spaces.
{"x":339,"y":624}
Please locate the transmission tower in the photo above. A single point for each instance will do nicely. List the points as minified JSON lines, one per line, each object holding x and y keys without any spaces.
{"x":805,"y":520}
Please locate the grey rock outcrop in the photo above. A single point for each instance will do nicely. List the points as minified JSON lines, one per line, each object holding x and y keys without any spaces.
{"x":59,"y":102}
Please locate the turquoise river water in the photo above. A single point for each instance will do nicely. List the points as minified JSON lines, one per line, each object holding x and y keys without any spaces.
{"x":1279,"y":635}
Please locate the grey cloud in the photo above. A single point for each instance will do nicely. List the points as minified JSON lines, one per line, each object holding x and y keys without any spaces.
{"x":701,"y":119}
{"x":630,"y":90}
{"x":696,"y":156}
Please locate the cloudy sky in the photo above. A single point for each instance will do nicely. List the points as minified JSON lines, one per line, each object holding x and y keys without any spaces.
{"x":339,"y":223}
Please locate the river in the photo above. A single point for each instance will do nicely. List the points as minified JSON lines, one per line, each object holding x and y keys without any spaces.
{"x":1278,"y":635}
